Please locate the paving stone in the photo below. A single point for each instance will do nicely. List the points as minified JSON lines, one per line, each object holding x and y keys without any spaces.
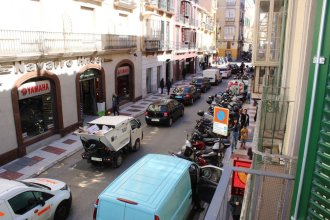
{"x":69,"y":141}
{"x":54,"y":150}
{"x":12,"y":175}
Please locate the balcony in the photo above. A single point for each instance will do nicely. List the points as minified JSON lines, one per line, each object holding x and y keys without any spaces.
{"x":170,"y":7}
{"x":185,"y":46}
{"x":230,"y":19}
{"x":128,"y":4}
{"x":162,"y":5}
{"x":40,"y":43}
{"x":268,"y":190}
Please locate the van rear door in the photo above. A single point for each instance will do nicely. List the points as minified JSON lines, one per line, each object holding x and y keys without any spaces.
{"x":109,"y":208}
{"x":121,"y":209}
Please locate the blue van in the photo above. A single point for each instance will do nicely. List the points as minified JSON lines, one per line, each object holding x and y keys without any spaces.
{"x":156,"y":187}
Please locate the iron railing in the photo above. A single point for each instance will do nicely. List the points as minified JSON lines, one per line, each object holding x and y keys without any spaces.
{"x":157,"y":45}
{"x":43,"y":43}
{"x":267,"y":194}
{"x":129,"y":4}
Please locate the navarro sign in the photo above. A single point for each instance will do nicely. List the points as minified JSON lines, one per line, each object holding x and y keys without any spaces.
{"x":31,"y":89}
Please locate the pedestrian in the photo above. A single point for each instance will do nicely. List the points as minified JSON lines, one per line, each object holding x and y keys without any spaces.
{"x":184,"y":74}
{"x":234,"y":134}
{"x":244,"y":118}
{"x":115,"y":104}
{"x":168,"y":85}
{"x":161,"y":84}
{"x":244,"y":136}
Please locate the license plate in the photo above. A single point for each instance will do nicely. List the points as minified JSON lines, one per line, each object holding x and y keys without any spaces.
{"x":178,"y":97}
{"x":96,"y":159}
{"x":155,"y":119}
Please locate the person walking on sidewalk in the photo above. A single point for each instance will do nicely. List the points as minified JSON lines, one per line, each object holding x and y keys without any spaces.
{"x":168,"y":85}
{"x":244,"y":136}
{"x":115,"y":104}
{"x":234,"y":135}
{"x":161,"y":84}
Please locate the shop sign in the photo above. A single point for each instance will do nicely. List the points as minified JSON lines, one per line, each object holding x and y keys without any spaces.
{"x":87,"y":60}
{"x":124,"y":70}
{"x":31,"y":89}
{"x":239,"y":178}
{"x":21,"y":67}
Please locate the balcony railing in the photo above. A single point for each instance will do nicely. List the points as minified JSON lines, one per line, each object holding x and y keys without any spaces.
{"x":185,"y":45}
{"x":268,"y":192}
{"x":153,"y":45}
{"x":27,"y":43}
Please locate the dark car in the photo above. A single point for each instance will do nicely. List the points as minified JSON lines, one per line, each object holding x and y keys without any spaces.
{"x":186,"y":94}
{"x":234,"y":68}
{"x":202,"y":83}
{"x":164,"y":111}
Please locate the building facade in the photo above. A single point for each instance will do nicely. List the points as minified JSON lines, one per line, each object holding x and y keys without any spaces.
{"x":62,"y":63}
{"x":65,"y":61}
{"x":230,"y":23}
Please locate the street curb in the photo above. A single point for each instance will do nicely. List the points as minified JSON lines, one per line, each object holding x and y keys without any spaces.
{"x":54,"y":162}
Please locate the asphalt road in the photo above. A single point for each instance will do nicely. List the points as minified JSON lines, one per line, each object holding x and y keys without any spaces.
{"x":87,"y":181}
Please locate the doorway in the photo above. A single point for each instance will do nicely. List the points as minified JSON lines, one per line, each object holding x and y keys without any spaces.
{"x":90,"y":91}
{"x":148,"y":80}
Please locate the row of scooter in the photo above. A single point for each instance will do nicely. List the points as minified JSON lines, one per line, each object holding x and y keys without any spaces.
{"x":202,"y":145}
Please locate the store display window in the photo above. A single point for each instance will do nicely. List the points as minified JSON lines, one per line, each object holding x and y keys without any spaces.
{"x":36,"y":108}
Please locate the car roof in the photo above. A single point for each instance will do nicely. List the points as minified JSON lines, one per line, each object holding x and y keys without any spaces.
{"x":111,"y":120}
{"x":148,"y":181}
{"x":9,"y":185}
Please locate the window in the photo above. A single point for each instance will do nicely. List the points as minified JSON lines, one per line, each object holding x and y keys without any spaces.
{"x":229,"y":32}
{"x":230,"y":14}
{"x":263,"y":31}
{"x":134,"y":124}
{"x":23,"y":202}
{"x":230,"y":2}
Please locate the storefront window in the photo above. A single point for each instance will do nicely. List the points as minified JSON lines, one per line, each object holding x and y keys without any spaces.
{"x":36,"y":108}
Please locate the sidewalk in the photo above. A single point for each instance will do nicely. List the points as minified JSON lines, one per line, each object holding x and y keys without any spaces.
{"x":36,"y":162}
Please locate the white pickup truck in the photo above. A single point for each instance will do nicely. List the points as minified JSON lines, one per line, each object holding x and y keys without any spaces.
{"x":106,"y":139}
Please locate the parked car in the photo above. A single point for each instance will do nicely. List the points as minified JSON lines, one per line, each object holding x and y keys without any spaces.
{"x":214,"y":75}
{"x":157,"y":187}
{"x":186,"y":94}
{"x":234,"y":68}
{"x":225,"y":71}
{"x":202,"y":83}
{"x":35,"y":198}
{"x":164,"y":111}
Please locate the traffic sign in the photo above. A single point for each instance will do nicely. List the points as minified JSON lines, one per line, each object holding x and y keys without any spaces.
{"x":220,"y":120}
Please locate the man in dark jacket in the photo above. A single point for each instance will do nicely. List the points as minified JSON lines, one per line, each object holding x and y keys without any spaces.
{"x":161,"y":84}
{"x":168,"y":85}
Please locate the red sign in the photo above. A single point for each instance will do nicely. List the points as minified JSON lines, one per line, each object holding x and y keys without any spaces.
{"x":124,"y":70}
{"x":239,"y":178}
{"x":31,"y":89}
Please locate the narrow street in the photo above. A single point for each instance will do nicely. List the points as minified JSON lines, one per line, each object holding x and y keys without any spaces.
{"x":87,"y":181}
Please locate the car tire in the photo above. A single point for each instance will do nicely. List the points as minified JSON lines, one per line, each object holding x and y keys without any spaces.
{"x":118,"y":160}
{"x":62,"y":211}
{"x":137,"y":145}
{"x":170,"y":122}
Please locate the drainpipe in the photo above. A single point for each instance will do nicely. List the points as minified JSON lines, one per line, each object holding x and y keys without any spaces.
{"x":311,"y":109}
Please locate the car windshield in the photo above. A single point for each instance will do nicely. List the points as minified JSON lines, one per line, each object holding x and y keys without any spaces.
{"x":181,"y":90}
{"x":157,"y":108}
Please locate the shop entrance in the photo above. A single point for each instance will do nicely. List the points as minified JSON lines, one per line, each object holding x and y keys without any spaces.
{"x":36,"y":107}
{"x":90,"y":91}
